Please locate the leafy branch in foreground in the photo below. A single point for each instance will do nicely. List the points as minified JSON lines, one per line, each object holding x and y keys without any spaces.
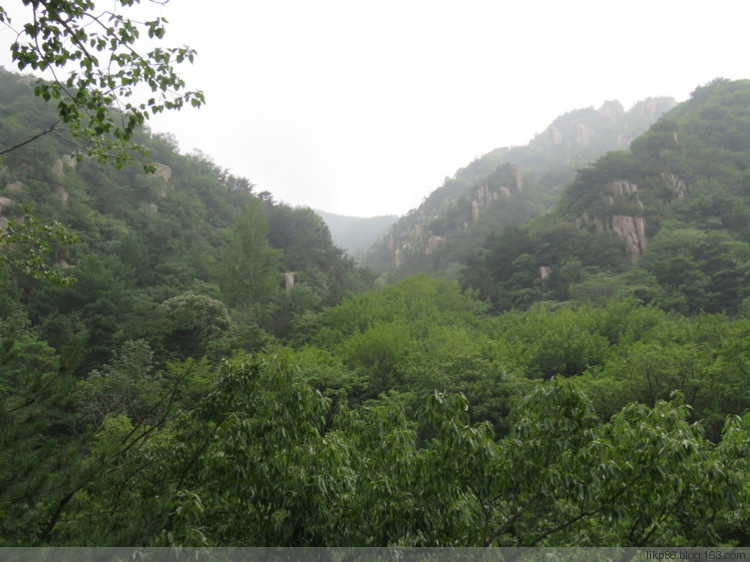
{"x":24,"y":244}
{"x":97,"y":72}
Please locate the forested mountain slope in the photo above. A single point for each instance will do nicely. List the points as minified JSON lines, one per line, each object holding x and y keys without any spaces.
{"x":216,"y":376}
{"x":154,"y":247}
{"x":506,"y":186}
{"x":666,"y":221}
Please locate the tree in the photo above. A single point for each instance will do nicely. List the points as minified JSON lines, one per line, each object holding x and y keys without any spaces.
{"x":699,"y":271}
{"x":265,"y":460}
{"x":27,"y":242}
{"x":192,"y":322}
{"x":247,"y":272}
{"x":97,"y":72}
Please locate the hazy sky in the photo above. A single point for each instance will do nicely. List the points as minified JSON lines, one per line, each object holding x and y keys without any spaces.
{"x":364,"y":107}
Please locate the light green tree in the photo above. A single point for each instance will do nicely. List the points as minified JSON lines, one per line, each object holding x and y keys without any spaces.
{"x":25,"y":245}
{"x":98,"y":74}
{"x":248,"y":271}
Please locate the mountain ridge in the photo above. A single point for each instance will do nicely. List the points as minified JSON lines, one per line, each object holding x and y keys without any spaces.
{"x":356,"y":234}
{"x":665,"y":222}
{"x":189,"y":236}
{"x":505,"y":186}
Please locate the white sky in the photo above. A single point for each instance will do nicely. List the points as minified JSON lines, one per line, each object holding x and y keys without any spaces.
{"x":364,"y":107}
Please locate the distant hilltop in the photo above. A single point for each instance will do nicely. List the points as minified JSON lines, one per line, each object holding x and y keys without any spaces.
{"x":356,"y":234}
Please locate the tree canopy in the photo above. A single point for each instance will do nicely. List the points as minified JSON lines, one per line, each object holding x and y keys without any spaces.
{"x":221,"y":374}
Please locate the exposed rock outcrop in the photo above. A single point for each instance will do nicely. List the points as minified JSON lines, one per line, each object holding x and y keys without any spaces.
{"x":433,"y":243}
{"x":416,"y":232}
{"x":58,"y":168}
{"x":621,"y":187}
{"x":4,"y":203}
{"x":631,"y":229}
{"x":164,"y":172}
{"x":678,"y":186}
{"x":649,"y":108}
{"x":463,"y":203}
{"x":621,"y":191}
{"x":612,"y":109}
{"x":484,"y":196}
{"x":70,"y":161}
{"x":288,"y":280}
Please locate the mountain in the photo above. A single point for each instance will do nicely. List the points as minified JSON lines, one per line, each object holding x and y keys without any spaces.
{"x":191,"y":260}
{"x":666,"y":222}
{"x":506,"y":186}
{"x":216,"y":376}
{"x":355,"y":234}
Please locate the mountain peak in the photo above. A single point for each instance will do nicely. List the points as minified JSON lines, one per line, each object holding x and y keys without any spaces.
{"x":612,"y":109}
{"x":486,"y":195}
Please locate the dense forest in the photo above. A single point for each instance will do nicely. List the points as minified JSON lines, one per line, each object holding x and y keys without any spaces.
{"x":192,"y":363}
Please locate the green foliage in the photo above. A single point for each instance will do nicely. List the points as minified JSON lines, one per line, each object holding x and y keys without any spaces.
{"x":506,"y":187}
{"x":94,"y":108}
{"x":24,"y":243}
{"x":247,"y":271}
{"x":38,"y":451}
{"x":559,"y":343}
{"x":699,"y":271}
{"x":560,"y":477}
{"x":417,"y":300}
{"x":257,"y":456}
{"x":64,"y":34}
{"x":679,"y":192}
{"x":191,"y":323}
{"x":145,"y":239}
{"x":585,"y":411}
{"x":254,"y":473}
{"x":127,"y":387}
{"x":26,"y":361}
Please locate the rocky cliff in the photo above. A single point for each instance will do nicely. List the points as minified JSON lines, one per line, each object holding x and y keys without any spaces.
{"x":510,"y":185}
{"x":630,"y":228}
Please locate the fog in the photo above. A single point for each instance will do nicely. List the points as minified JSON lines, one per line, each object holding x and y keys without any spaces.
{"x":363,"y":108}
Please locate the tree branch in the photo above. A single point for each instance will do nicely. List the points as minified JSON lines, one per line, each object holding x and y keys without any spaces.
{"x":51,"y":129}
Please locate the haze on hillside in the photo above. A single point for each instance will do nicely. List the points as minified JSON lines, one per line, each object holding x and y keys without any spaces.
{"x":354,"y":234}
{"x":221,"y":374}
{"x":364,"y":108}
